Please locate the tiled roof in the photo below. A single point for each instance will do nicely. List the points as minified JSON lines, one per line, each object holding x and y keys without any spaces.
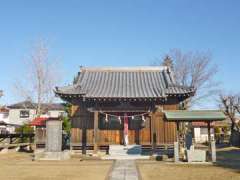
{"x":32,"y":105}
{"x":39,"y":121}
{"x":137,"y":82}
{"x":23,"y":105}
{"x":200,"y":115}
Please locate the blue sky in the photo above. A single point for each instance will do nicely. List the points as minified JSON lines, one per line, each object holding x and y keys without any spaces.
{"x":118,"y":33}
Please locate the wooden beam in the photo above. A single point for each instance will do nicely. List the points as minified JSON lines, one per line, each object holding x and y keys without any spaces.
{"x":95,"y":131}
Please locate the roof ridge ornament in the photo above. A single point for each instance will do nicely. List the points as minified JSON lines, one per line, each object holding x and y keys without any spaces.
{"x":133,"y":68}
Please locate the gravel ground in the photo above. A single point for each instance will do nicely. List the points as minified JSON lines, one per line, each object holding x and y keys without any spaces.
{"x":228,"y":167}
{"x":19,"y":166}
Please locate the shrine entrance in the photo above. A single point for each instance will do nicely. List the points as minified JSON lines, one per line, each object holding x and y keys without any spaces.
{"x":124,"y":128}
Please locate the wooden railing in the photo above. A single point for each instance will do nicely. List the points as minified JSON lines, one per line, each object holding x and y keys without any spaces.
{"x":16,"y":140}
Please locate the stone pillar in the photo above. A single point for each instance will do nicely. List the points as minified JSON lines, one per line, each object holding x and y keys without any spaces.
{"x":53,"y":135}
{"x":213,"y":151}
{"x":176,"y":152}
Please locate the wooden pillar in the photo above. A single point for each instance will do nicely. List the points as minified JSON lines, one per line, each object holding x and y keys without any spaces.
{"x":84,"y":136}
{"x":209,"y":140}
{"x":178,"y":136}
{"x":137,"y":136}
{"x":151,"y":128}
{"x":209,"y":131}
{"x":177,"y":123}
{"x":177,"y":145}
{"x":209,"y":135}
{"x":95,"y":131}
{"x":153,"y":134}
{"x":83,"y":112}
{"x":84,"y":140}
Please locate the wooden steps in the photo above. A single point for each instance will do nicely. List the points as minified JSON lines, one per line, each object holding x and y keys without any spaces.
{"x":78,"y":146}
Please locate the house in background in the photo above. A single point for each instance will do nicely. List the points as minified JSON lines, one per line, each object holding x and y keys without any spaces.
{"x":24,"y":112}
{"x":53,"y":109}
{"x":4,"y":114}
{"x":200,"y":130}
{"x":220,"y":131}
{"x":5,"y":126}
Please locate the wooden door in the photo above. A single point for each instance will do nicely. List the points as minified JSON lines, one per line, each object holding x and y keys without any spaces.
{"x":134,"y":130}
{"x":145,"y":132}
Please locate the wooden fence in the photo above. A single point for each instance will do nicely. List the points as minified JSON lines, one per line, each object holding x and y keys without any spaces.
{"x":15,"y":140}
{"x":40,"y":137}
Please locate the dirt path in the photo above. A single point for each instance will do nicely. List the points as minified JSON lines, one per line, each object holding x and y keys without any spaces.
{"x":124,"y":170}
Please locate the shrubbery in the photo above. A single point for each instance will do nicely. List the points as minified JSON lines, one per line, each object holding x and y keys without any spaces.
{"x":25,"y":129}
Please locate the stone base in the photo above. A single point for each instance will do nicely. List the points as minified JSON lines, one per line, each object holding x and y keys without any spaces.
{"x":196,"y":156}
{"x":52,"y":156}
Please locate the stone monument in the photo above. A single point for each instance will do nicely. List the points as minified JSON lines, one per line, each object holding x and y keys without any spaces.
{"x":53,"y":146}
{"x":53,"y":135}
{"x":213,"y":151}
{"x":176,"y":151}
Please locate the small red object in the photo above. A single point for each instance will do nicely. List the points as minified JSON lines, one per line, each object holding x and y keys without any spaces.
{"x":39,"y":121}
{"x":125,"y":124}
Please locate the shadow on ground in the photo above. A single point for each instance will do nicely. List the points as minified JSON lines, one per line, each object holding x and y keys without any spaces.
{"x":229,"y":157}
{"x":135,"y":150}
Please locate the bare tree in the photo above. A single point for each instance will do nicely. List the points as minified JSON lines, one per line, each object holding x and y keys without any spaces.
{"x":40,"y":78}
{"x":230,"y":104}
{"x":193,"y":69}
